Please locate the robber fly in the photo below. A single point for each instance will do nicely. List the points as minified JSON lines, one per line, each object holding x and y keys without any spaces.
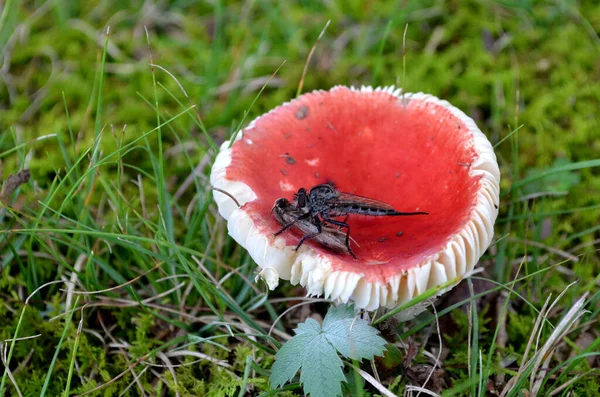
{"x":287,"y":213}
{"x":324,"y":202}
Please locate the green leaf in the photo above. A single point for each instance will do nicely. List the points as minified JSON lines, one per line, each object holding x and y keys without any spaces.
{"x":352,"y":337}
{"x":311,"y":326}
{"x":314,"y":350}
{"x":289,"y":360}
{"x":337,"y":313}
{"x":321,"y":372}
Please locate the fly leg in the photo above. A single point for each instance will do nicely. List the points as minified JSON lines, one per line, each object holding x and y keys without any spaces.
{"x":338,"y":226}
{"x":341,"y":225}
{"x":317,"y":223}
{"x":286,"y":227}
{"x":344,"y":221}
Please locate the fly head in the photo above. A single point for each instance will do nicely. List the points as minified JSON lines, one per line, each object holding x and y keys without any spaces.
{"x":301,"y":198}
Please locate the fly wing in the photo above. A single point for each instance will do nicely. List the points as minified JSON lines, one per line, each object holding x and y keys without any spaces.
{"x":333,"y":239}
{"x":330,"y":238}
{"x":349,"y":200}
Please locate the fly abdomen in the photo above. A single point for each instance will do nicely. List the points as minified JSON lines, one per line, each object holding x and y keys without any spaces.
{"x":396,"y":213}
{"x":380,"y":212}
{"x":370,"y":211}
{"x":373,"y":211}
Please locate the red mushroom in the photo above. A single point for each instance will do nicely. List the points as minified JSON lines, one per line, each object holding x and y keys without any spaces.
{"x":413,"y":151}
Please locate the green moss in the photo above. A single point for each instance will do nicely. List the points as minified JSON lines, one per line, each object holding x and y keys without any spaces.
{"x":504,"y":63}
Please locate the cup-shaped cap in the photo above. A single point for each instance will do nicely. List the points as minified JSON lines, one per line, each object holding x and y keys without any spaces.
{"x":412,"y":151}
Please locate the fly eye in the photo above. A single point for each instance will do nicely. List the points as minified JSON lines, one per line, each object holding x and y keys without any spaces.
{"x":302,"y":201}
{"x":301,"y":198}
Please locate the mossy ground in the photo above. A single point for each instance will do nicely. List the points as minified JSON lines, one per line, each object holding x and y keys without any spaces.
{"x":105,"y":201}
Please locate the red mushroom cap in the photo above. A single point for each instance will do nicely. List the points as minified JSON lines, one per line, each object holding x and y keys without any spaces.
{"x":413,"y":151}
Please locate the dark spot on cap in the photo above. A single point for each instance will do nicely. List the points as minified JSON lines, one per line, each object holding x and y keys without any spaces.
{"x":302,"y":112}
{"x":283,"y":172}
{"x":399,"y":234}
{"x":382,"y":239}
{"x":288,"y":159}
{"x":495,"y":206}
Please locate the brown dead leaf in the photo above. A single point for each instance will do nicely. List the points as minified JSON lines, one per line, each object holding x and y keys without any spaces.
{"x":389,"y":329}
{"x":418,"y":374}
{"x":421,"y":374}
{"x":12,"y":183}
{"x":583,"y":342}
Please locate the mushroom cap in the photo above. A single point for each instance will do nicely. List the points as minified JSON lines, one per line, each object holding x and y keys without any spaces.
{"x":413,"y":151}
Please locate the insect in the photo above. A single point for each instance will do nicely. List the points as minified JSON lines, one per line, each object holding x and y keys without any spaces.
{"x":324,"y":202}
{"x":287,"y":213}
